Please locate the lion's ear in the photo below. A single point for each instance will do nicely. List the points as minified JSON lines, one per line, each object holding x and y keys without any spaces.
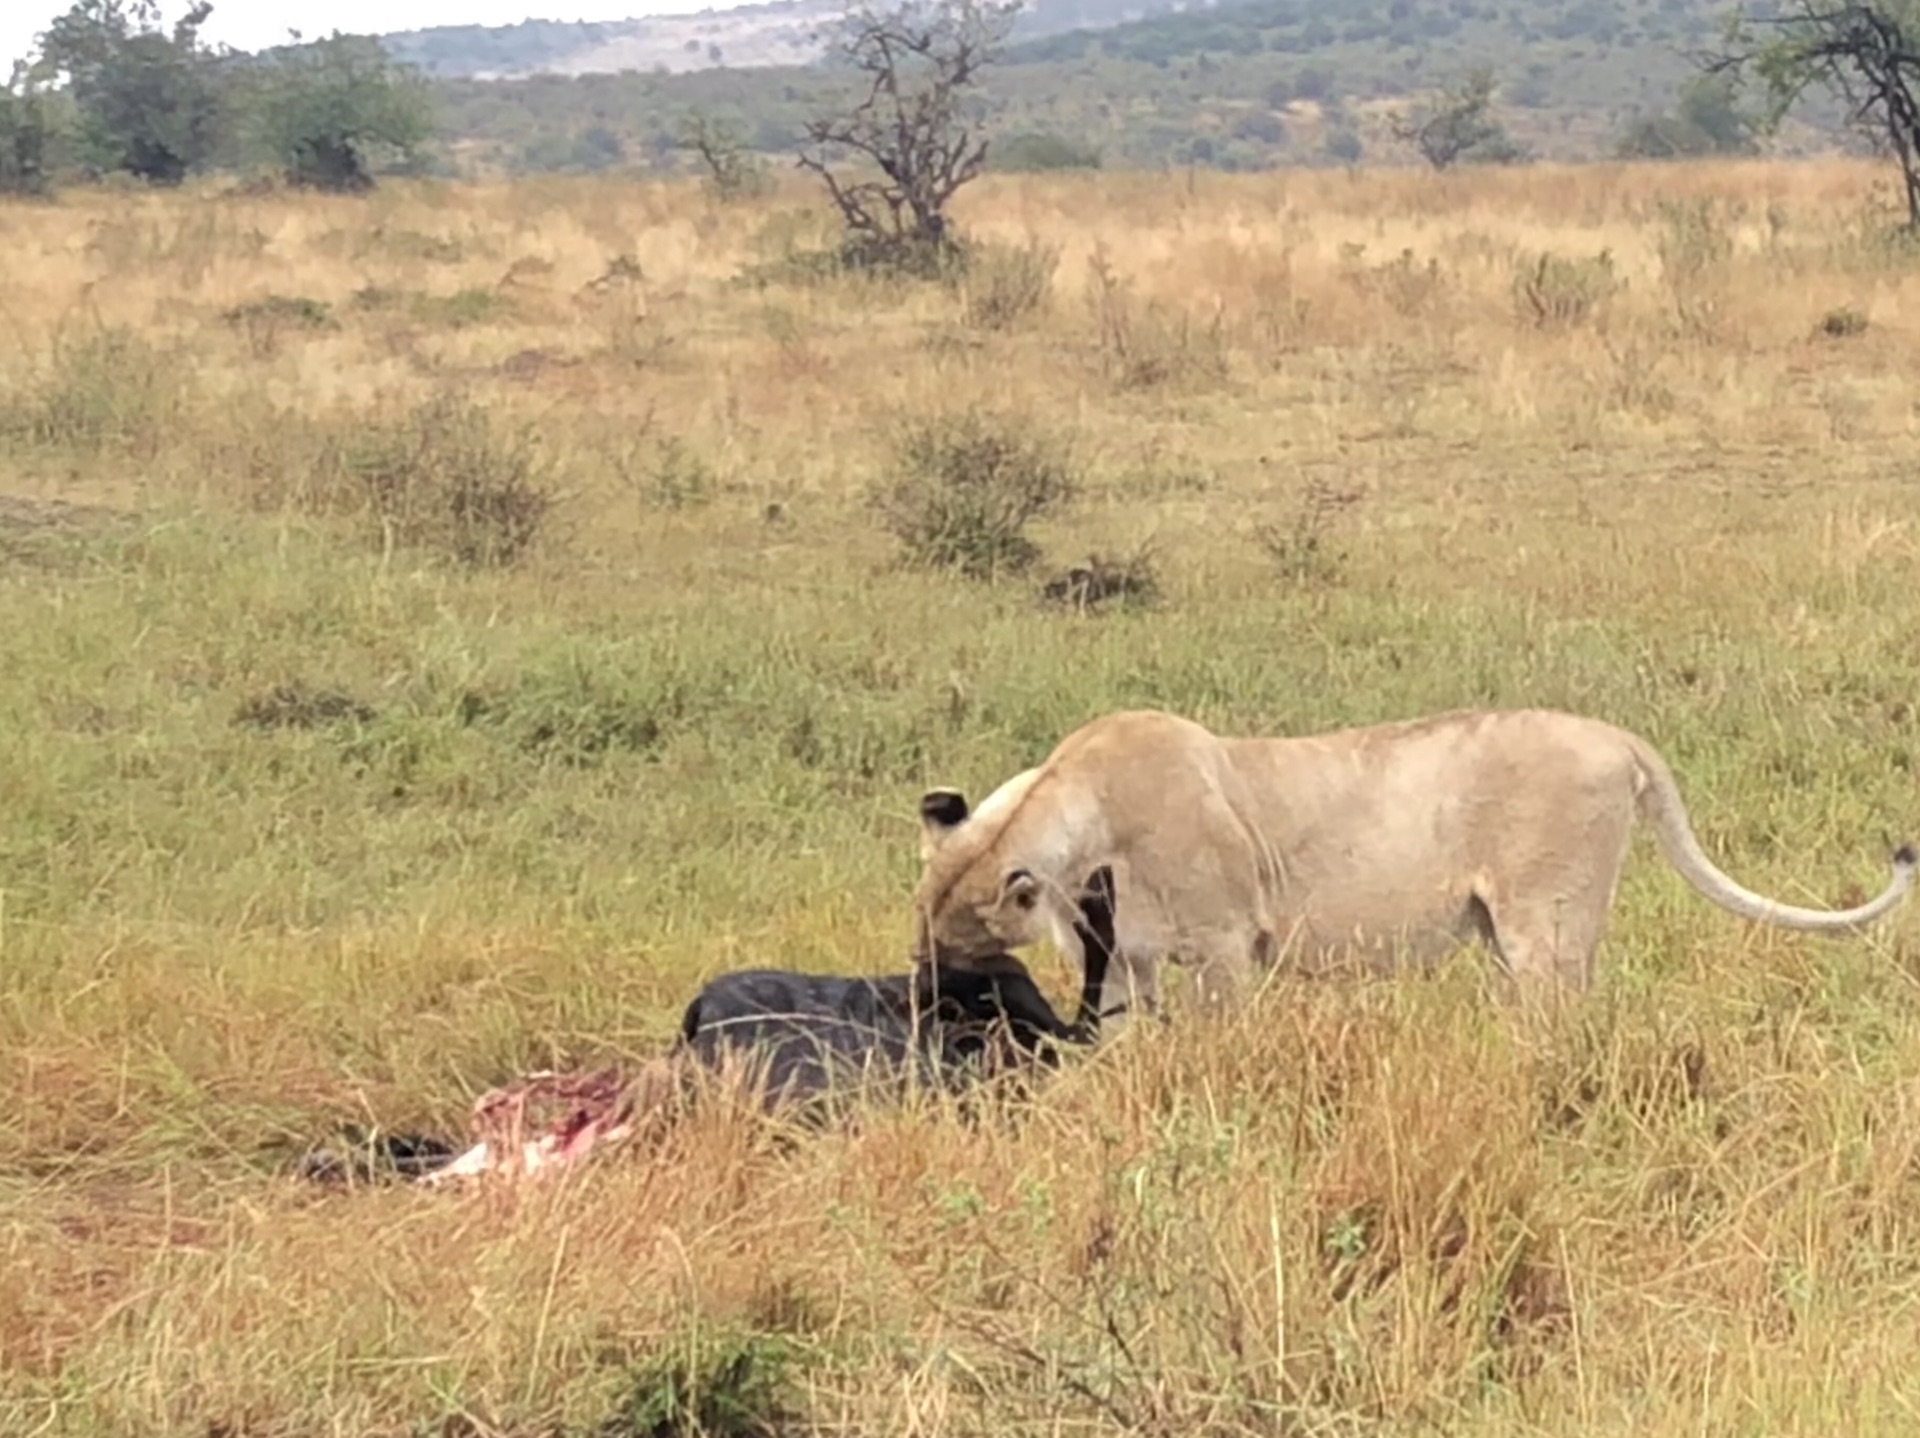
{"x":941,"y":812}
{"x":1021,"y":888}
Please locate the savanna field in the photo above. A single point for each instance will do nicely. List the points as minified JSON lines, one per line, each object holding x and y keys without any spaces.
{"x":442,"y":629}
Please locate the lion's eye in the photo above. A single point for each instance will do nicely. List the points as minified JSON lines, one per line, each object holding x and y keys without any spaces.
{"x":1025,"y":899}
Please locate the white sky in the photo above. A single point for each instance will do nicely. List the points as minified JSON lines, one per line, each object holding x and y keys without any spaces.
{"x":253,"y":24}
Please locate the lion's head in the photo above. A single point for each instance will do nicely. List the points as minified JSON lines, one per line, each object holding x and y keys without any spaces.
{"x":975,"y":902}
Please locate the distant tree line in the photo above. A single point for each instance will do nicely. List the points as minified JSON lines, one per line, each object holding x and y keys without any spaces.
{"x":109,"y":91}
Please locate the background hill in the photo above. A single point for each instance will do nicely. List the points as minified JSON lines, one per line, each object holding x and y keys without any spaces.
{"x":780,"y":33}
{"x":1228,"y":85}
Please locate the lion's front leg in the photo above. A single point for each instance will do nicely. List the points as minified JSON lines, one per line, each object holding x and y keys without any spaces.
{"x":1223,"y":976}
{"x":1132,"y":986}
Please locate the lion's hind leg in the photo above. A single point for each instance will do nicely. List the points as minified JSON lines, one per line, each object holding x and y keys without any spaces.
{"x":1224,"y":971}
{"x":1219,"y":970}
{"x":1546,"y":932}
{"x":1548,"y":879}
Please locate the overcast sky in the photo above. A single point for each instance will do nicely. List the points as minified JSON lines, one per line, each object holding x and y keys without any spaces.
{"x":253,"y":24}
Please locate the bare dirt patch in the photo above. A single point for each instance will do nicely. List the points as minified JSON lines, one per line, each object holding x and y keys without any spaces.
{"x":20,"y":514}
{"x":35,"y":533}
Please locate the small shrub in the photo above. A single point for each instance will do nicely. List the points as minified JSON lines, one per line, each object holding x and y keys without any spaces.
{"x":1636,"y":384}
{"x":677,"y":478}
{"x":108,"y":389}
{"x":1301,"y":545}
{"x":1553,"y":292}
{"x":1004,"y":284}
{"x":1696,"y":239}
{"x":1843,"y":323}
{"x":1408,"y":287}
{"x":965,"y":488}
{"x":474,"y":305}
{"x":442,"y":478}
{"x":731,"y":1386}
{"x":263,"y":321}
{"x":1143,"y":345}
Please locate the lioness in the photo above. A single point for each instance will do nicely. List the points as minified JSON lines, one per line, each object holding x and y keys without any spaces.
{"x":1409,"y":837}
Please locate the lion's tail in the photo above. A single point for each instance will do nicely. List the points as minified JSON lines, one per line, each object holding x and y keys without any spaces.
{"x":1661,"y":803}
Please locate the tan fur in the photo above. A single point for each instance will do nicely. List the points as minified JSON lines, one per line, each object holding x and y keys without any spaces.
{"x":1401,"y":838}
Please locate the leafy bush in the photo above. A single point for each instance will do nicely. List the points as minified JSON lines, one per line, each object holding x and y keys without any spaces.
{"x":1554,"y":292}
{"x":964,"y":489}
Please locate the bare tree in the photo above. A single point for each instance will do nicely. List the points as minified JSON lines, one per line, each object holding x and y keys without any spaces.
{"x":916,"y":66}
{"x":1866,"y":52}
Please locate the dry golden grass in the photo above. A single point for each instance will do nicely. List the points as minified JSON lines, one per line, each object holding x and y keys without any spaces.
{"x":688,"y":730}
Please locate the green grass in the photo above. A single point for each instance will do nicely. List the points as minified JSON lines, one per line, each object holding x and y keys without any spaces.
{"x":548,"y":798}
{"x":220,"y":940}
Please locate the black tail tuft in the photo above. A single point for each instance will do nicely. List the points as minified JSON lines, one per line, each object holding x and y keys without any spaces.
{"x":1904,"y":857}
